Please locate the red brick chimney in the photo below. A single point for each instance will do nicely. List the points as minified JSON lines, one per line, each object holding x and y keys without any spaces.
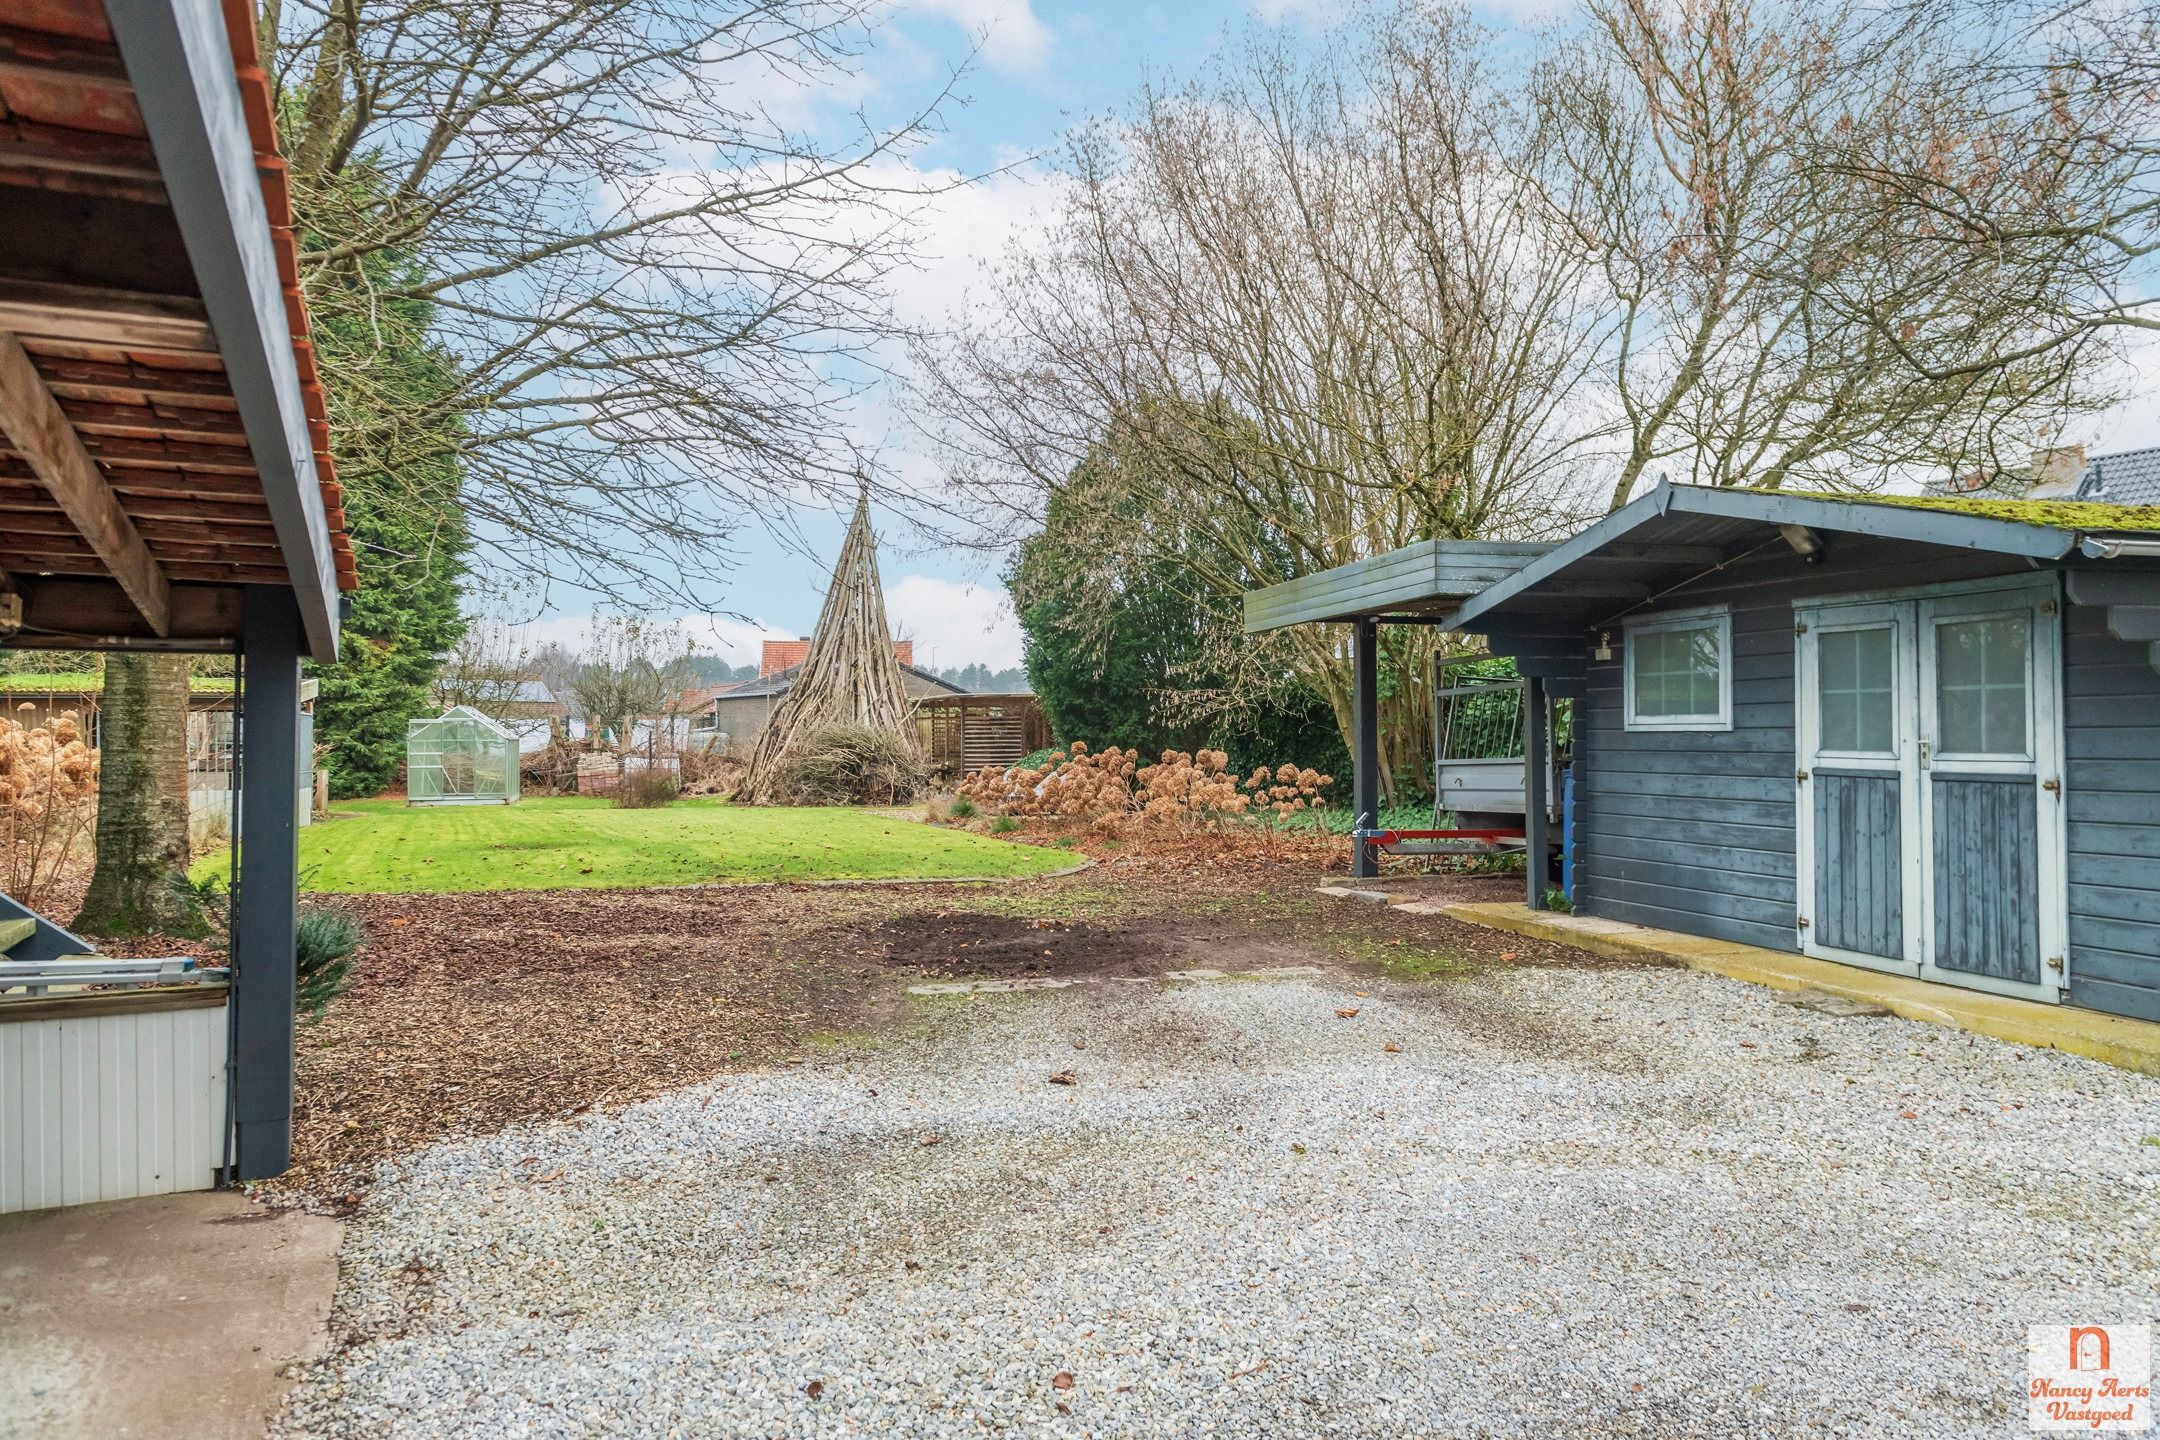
{"x":781,"y":655}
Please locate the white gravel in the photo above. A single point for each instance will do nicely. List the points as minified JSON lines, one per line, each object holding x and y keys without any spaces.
{"x":1578,"y":1202}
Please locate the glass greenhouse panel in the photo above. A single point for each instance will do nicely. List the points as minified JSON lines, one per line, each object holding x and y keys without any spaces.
{"x":460,"y":757}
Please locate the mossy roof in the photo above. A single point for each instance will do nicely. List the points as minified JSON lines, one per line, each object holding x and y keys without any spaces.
{"x":2088,"y":516}
{"x":91,"y":682}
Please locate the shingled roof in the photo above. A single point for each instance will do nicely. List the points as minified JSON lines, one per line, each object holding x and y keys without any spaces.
{"x":2129,"y":477}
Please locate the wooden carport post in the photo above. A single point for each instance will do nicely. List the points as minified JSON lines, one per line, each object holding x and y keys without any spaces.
{"x":1365,"y":745}
{"x":1537,"y":802}
{"x":265,"y":916}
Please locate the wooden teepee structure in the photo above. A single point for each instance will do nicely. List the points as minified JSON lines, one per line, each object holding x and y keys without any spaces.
{"x":850,"y":676}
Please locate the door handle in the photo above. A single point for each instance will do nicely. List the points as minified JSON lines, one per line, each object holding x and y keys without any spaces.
{"x":1923,"y":754}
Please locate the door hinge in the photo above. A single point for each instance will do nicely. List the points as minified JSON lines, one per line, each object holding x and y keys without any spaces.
{"x":2047,"y":607}
{"x":2055,"y":962}
{"x":1803,"y":922}
{"x":1799,"y":629}
{"x":2053,"y":787}
{"x":1802,"y":776}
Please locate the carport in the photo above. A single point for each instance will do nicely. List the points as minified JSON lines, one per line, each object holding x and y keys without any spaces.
{"x":166,"y":481}
{"x":1421,"y":584}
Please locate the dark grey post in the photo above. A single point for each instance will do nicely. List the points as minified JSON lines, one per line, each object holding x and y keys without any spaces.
{"x":264,"y":915}
{"x":1365,"y":744}
{"x":1537,"y":774}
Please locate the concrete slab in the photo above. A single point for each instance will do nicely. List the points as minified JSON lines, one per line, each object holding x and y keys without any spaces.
{"x":171,"y":1316}
{"x":2115,"y":1039}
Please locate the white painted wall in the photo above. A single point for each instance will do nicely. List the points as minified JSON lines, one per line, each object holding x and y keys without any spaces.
{"x":106,"y":1107}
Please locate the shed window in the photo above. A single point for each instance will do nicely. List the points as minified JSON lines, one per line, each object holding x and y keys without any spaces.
{"x":1679,"y":672}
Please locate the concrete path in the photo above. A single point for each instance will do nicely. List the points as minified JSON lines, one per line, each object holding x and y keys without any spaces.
{"x":176,"y":1315}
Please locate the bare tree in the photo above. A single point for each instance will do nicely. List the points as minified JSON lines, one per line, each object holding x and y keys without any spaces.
{"x":642,"y":280}
{"x":632,"y":673}
{"x":2030,"y":165}
{"x":1774,"y":319}
{"x":1303,"y":310}
{"x":489,"y":670}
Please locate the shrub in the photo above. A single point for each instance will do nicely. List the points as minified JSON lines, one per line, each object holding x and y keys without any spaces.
{"x":325,"y":941}
{"x":48,"y":797}
{"x":709,"y":771}
{"x":962,"y":808}
{"x":647,"y":789}
{"x":852,"y":765}
{"x":1004,"y":825}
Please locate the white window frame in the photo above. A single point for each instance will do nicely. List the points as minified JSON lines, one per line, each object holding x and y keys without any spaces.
{"x":1721,"y":616}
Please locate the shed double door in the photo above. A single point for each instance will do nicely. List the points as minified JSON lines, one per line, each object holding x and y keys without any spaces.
{"x":1929,"y":786}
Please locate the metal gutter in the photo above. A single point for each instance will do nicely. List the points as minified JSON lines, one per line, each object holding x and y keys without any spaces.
{"x":179,"y":60}
{"x":2120,"y":547}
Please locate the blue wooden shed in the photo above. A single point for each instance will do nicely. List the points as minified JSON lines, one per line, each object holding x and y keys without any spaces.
{"x":1921,"y":737}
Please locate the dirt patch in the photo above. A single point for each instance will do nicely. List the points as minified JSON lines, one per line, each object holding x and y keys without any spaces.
{"x":955,"y":944}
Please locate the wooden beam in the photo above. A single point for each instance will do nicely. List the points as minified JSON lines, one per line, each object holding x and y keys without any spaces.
{"x":113,"y":317}
{"x":41,"y":433}
{"x":94,"y":614}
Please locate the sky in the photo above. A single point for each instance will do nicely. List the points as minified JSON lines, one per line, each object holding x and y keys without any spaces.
{"x":1034,"y":68}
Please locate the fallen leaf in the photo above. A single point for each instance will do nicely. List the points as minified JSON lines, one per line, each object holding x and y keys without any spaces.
{"x":1349,"y":1013}
{"x":1255,"y":1370}
{"x":399,"y":922}
{"x":1507,"y":955}
{"x":1297,"y":1147}
{"x":1062,"y":1380}
{"x":1065,"y":1077}
{"x":1392,"y":1048}
{"x":932,"y":1139}
{"x":1079,"y":1044}
{"x":550,"y":1178}
{"x":814,"y":1389}
{"x":1907,"y":1115}
{"x":1747,"y":1045}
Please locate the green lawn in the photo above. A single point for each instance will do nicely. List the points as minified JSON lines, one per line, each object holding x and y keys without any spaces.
{"x":376,"y":846}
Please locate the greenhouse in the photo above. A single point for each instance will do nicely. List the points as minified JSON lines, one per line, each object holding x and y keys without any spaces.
{"x":460,"y":757}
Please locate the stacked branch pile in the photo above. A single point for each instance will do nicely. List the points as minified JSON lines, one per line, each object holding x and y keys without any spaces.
{"x":850,"y":681}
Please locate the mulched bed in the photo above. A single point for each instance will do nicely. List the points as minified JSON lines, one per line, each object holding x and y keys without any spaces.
{"x":950,"y":944}
{"x":471,"y":1012}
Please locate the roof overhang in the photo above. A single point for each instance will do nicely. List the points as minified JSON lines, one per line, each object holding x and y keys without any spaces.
{"x":164,"y":436}
{"x":180,"y":58}
{"x":1617,"y":561}
{"x":1421,"y":580}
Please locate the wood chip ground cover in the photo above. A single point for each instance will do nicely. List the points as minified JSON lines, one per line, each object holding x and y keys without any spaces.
{"x":471,"y":1012}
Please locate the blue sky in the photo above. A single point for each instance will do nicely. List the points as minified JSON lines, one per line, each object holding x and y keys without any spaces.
{"x":1039,"y":67}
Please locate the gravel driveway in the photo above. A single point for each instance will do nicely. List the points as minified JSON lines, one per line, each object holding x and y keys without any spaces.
{"x":1575,"y":1202}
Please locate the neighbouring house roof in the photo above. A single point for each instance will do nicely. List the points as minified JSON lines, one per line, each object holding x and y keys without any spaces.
{"x":778,"y":683}
{"x":530,"y":692}
{"x":775,"y":656}
{"x":168,"y":434}
{"x":2128,"y":477}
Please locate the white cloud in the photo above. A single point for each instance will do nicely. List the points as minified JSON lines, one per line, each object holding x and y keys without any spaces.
{"x":953,"y":622}
{"x":1014,"y":39}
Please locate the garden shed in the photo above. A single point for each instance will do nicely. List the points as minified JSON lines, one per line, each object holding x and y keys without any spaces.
{"x":1921,"y":737}
{"x":460,"y":757}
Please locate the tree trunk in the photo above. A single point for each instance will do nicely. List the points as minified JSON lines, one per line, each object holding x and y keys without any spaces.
{"x":142,"y":818}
